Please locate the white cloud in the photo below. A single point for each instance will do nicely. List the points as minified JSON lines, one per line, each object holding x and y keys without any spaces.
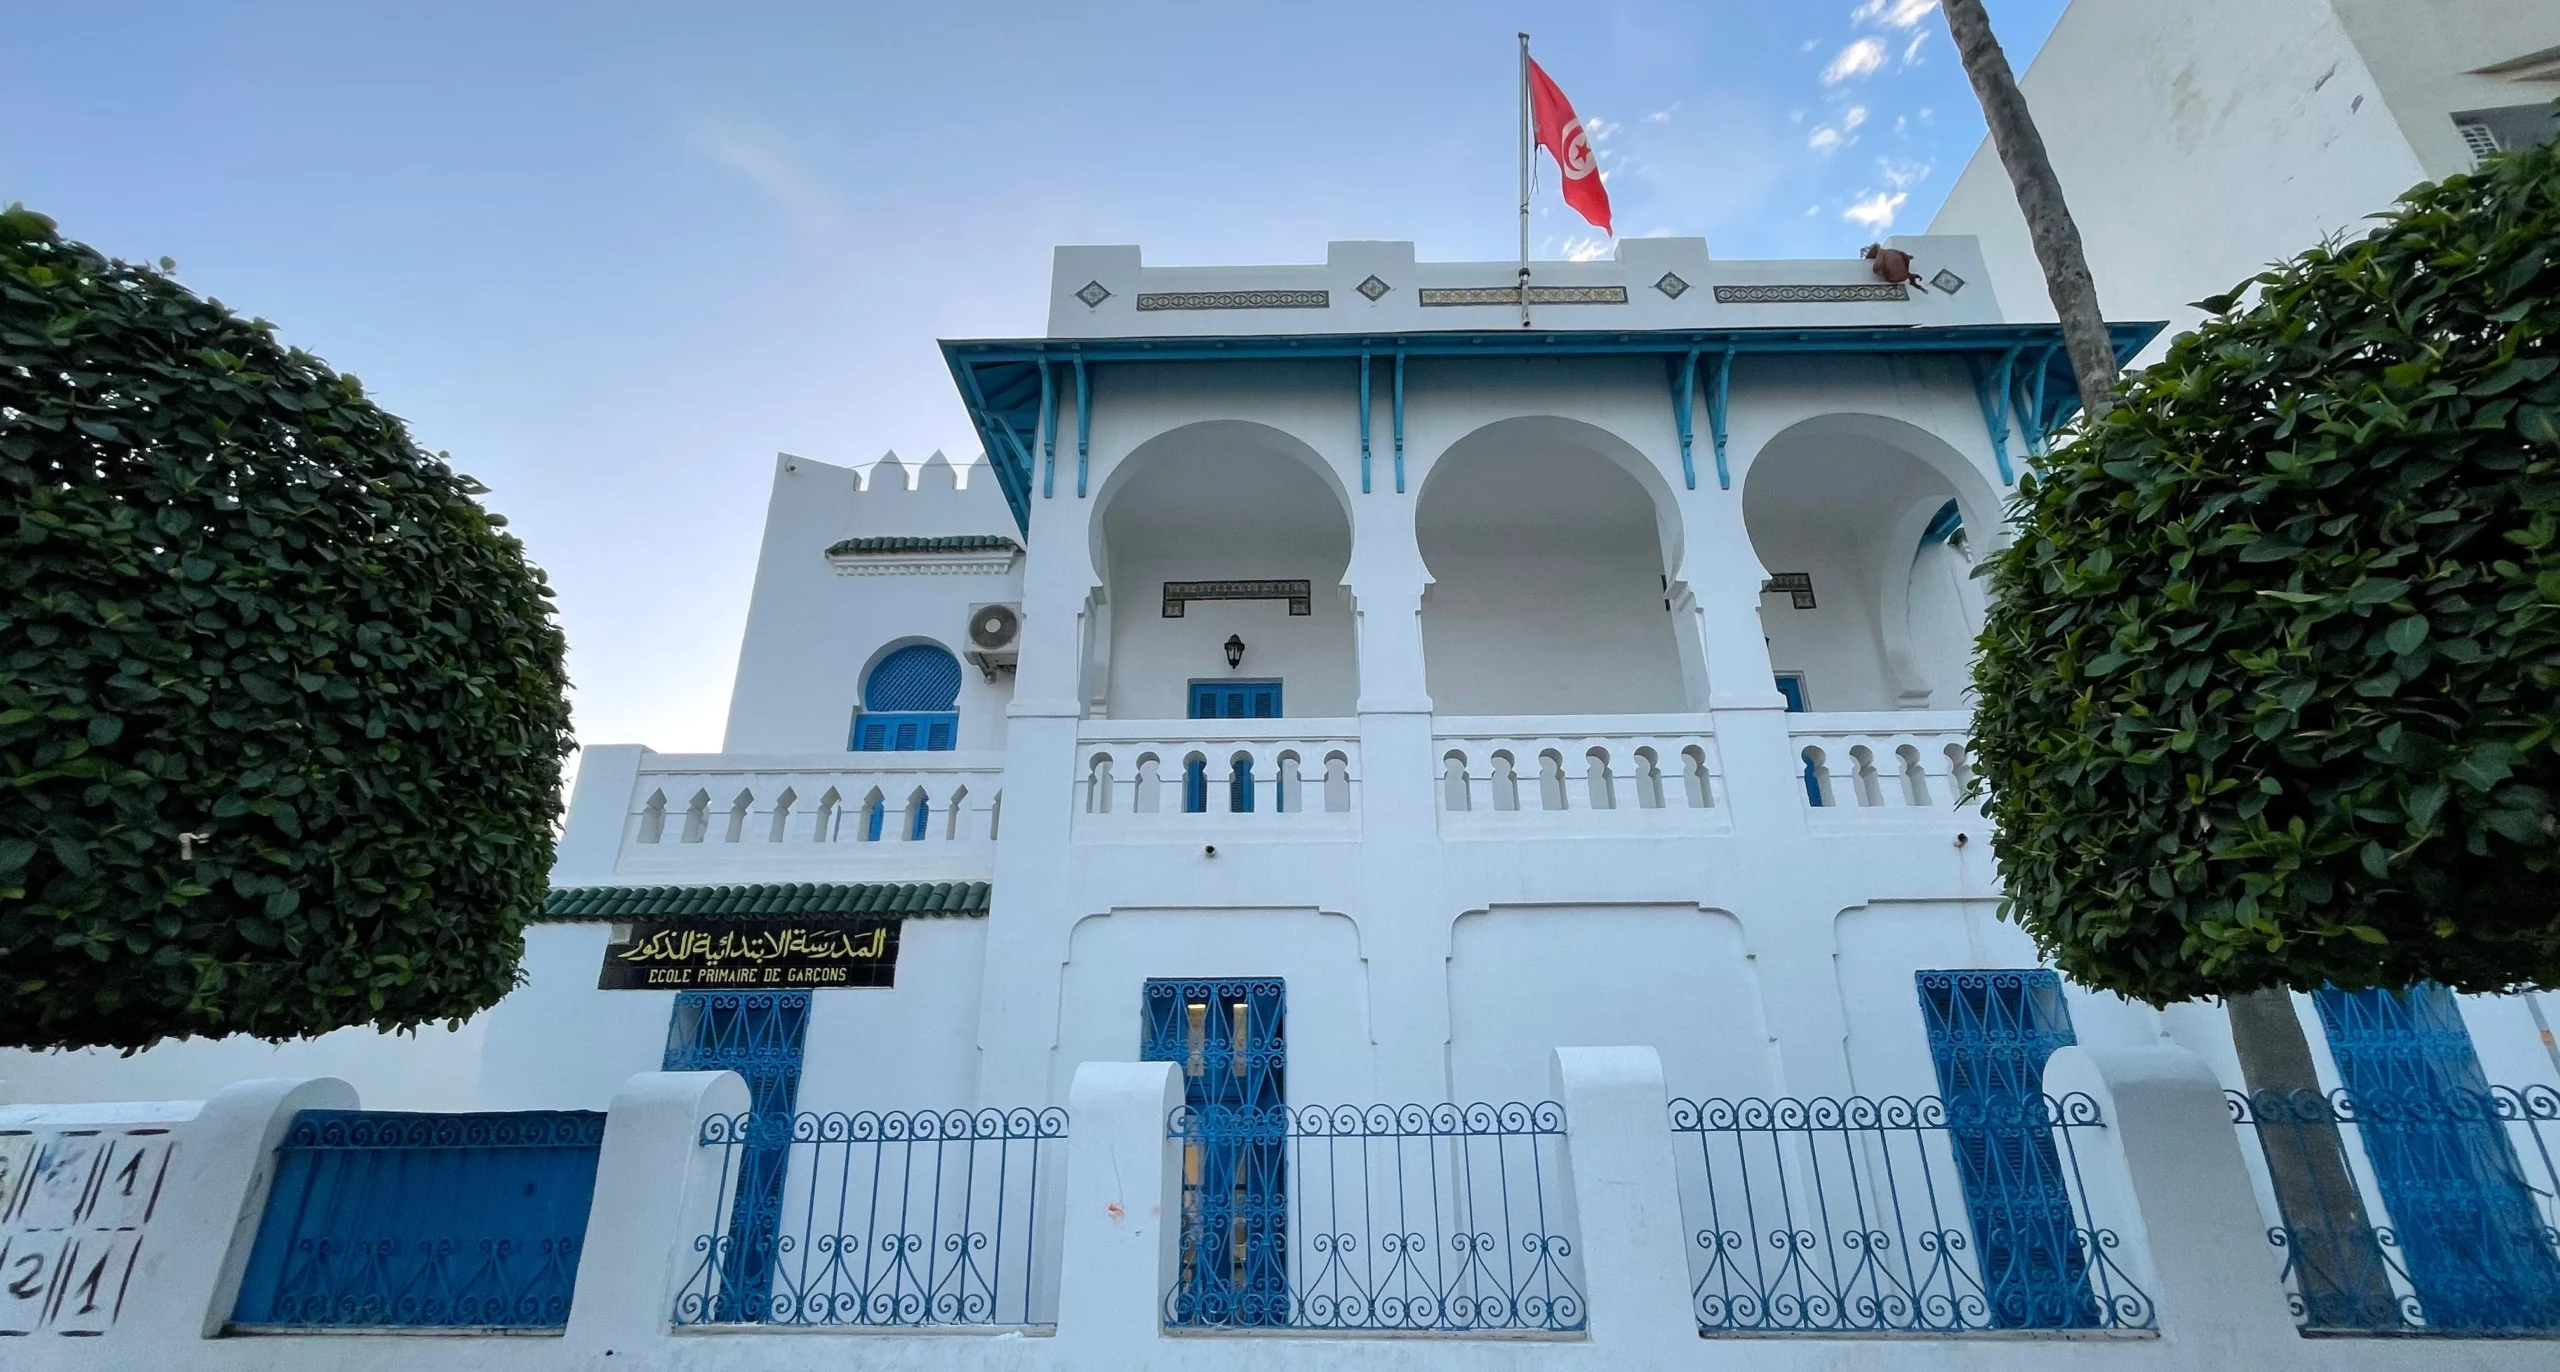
{"x":1795,"y":116}
{"x":1911,"y":50}
{"x":1893,"y":14}
{"x":1810,"y":44}
{"x":1875,"y":211}
{"x":1599,"y":129}
{"x":1857,"y":115}
{"x":1900,"y":175}
{"x":1860,"y":58}
{"x":1825,"y":139}
{"x":1662,"y":116}
{"x":1585,"y":249}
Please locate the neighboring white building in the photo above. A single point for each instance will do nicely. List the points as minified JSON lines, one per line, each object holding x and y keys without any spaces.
{"x":1338,"y":691}
{"x":2199,"y":140}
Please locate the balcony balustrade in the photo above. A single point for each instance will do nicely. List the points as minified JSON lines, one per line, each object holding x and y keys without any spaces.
{"x":1888,"y":769}
{"x":697,"y":815}
{"x":1637,"y":774}
{"x":1161,"y":779}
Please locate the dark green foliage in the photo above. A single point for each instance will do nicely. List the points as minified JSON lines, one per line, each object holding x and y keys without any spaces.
{"x":237,"y":601}
{"x":2268,"y":697}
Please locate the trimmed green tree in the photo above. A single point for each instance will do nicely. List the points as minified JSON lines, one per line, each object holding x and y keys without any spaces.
{"x":2270,"y":689}
{"x":281,"y":705}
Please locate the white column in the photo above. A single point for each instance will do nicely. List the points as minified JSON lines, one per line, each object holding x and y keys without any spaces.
{"x":1624,"y":1196}
{"x":1123,"y":1213}
{"x":600,"y":808}
{"x":657,"y":1190}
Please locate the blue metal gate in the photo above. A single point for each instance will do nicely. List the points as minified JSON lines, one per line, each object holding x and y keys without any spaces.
{"x":759,"y":1036}
{"x":1989,"y":1034}
{"x":1227,"y":1035}
{"x":2477,"y":1251}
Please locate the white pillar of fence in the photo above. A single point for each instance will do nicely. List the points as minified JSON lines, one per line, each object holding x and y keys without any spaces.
{"x":1123,"y":1212}
{"x":2166,"y":1175}
{"x":216,"y":1193}
{"x":1624,"y":1196}
{"x":657,"y":1188}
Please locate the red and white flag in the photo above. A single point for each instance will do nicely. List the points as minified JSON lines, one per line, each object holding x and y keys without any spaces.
{"x":1560,"y":133}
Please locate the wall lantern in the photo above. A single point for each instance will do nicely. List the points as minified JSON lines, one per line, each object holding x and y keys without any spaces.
{"x":1235,"y":651}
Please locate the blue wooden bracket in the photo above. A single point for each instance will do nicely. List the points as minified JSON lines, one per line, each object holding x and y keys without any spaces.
{"x":1364,"y":423}
{"x":1993,"y":392}
{"x":1084,"y":423}
{"x":1399,"y":412}
{"x":2031,"y":416}
{"x":1717,"y":394}
{"x":1683,"y":394}
{"x":1048,"y":435}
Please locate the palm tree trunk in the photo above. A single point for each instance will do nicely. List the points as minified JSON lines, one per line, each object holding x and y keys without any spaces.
{"x":2049,"y":226}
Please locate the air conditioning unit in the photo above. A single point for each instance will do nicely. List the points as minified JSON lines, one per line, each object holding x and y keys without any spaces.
{"x":995,"y":637}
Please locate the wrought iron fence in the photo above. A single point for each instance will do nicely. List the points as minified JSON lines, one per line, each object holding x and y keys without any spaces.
{"x":1439,"y":1218}
{"x":384,"y":1220}
{"x":1896,"y":1215}
{"x":2421,"y":1211}
{"x":927,"y":1217}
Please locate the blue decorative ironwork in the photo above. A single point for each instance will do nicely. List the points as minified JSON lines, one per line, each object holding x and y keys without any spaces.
{"x":907,"y":703}
{"x":1229,"y":1036}
{"x":1835,"y":1215}
{"x":1442,"y":1218}
{"x":760,"y":1036}
{"x":930,"y":1217}
{"x":2491,"y":1234}
{"x":1989,"y":1036}
{"x":382,"y":1220}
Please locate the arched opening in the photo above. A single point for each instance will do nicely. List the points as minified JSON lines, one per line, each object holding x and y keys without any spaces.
{"x":1549,"y":558}
{"x":907,"y":702}
{"x":1867,"y":527}
{"x":1218,"y":531}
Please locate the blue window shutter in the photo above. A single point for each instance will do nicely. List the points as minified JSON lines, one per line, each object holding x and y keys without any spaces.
{"x":1989,"y":1035}
{"x":906,"y":736}
{"x":760,"y":1036}
{"x":919,"y":676}
{"x":2464,"y":1215}
{"x":939,"y":735}
{"x":1230,"y":1038}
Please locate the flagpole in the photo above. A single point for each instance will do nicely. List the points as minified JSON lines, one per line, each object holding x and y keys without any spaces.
{"x":1526,"y":134}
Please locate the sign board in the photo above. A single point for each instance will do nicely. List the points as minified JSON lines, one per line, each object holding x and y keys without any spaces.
{"x":816,"y":952}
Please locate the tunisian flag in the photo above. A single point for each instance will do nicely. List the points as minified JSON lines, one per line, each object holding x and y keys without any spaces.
{"x":1560,"y":133}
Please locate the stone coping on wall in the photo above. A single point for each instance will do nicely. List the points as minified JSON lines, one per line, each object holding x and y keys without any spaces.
{"x":913,"y":899}
{"x":874,"y":545}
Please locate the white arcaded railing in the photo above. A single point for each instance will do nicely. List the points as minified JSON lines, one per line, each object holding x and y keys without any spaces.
{"x":703,"y":811}
{"x":1149,"y":778}
{"x":1864,"y":767}
{"x":1597,"y":771}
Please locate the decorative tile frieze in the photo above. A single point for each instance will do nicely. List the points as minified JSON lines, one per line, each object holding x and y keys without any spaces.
{"x":1177,"y":593}
{"x":1844,"y":293}
{"x":1093,"y":294}
{"x":1234,"y":300}
{"x":1373,"y":287}
{"x":1510,"y":295}
{"x":1671,"y":285}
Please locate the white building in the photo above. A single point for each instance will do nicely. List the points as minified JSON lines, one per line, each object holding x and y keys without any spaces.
{"x":2199,"y":141}
{"x":1328,"y":692}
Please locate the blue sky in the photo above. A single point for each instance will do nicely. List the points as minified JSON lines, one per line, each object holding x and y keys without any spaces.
{"x":612,"y":256}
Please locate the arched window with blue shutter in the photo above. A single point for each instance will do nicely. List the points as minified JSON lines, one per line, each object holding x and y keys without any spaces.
{"x":907,"y":703}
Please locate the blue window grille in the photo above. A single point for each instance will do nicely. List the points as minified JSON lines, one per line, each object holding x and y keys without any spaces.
{"x":907,"y":703}
{"x":1195,"y":786}
{"x":1989,"y":1035}
{"x":1838,"y":1215}
{"x":1240,"y":786}
{"x":759,"y":1035}
{"x":411,"y":1221}
{"x":1235,"y":700}
{"x":930,"y":1217}
{"x":2478,"y":1254}
{"x":1228,"y":1036}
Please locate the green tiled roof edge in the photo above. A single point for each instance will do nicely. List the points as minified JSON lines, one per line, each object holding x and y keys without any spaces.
{"x":942,"y":543}
{"x":913,"y":899}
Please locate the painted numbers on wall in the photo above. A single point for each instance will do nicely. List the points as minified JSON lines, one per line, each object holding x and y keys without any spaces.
{"x":73,"y":1207}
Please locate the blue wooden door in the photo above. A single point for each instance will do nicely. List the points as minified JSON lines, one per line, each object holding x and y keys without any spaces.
{"x":2477,"y":1251}
{"x":907,"y":703}
{"x":1228,"y":1036}
{"x":1235,"y":700}
{"x":760,"y":1036}
{"x":1989,"y":1035}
